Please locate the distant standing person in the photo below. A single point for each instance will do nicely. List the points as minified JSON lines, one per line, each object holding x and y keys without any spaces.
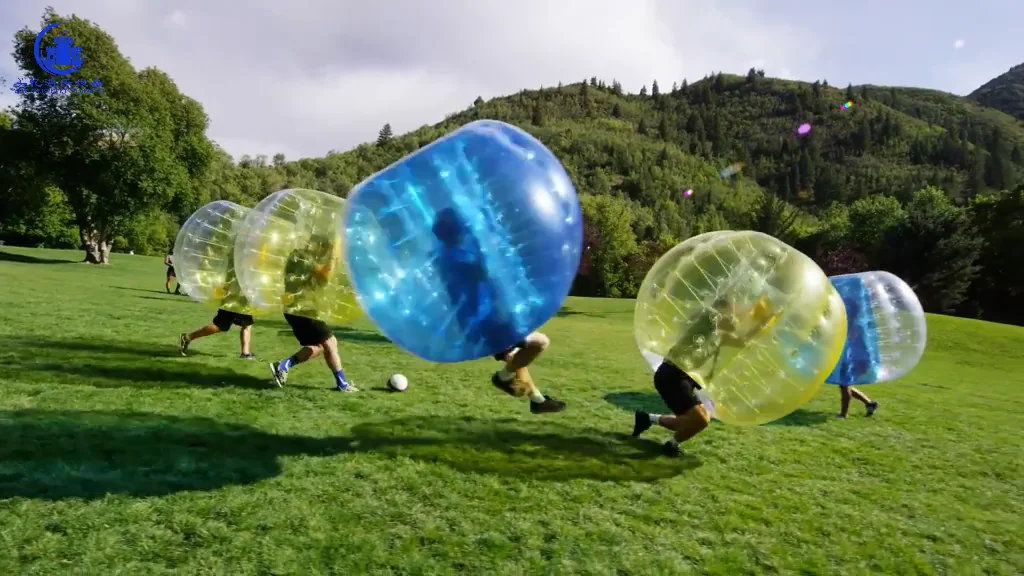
{"x":846,"y":392}
{"x":169,"y":262}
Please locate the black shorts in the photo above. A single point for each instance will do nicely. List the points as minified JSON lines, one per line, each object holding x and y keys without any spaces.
{"x":224,"y":320}
{"x":170,"y":272}
{"x":676,"y":388}
{"x":307,"y":331}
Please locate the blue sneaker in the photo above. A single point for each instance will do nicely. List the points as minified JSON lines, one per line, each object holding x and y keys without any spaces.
{"x":348,"y":387}
{"x":279,"y":376}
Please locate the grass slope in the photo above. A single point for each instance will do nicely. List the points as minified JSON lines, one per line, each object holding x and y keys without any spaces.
{"x":118,"y":456}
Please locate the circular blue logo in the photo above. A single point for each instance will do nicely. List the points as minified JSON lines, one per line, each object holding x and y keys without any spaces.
{"x":63,"y":53}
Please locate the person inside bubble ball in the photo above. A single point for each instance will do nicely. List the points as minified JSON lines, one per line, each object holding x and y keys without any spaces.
{"x":225,"y":318}
{"x":308,"y":269}
{"x":847,"y":392}
{"x":724,"y":324}
{"x":467,"y":281}
{"x":169,"y":262}
{"x":222,"y":322}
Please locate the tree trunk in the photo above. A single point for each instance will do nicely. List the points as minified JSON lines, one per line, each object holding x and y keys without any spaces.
{"x":95,"y":244}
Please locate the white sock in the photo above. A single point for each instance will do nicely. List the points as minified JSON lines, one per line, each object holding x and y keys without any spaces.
{"x":536,"y":396}
{"x":505,"y":376}
{"x":655,"y":418}
{"x":673,"y":441}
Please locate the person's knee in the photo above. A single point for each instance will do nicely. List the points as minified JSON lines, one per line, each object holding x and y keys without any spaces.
{"x":538,"y":342}
{"x":701,"y":416}
{"x":330,"y":344}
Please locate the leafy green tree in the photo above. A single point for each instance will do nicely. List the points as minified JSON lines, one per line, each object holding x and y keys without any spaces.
{"x":137,"y":144}
{"x":999,"y":288}
{"x":611,"y":221}
{"x":934,"y":249}
{"x":870,"y":220}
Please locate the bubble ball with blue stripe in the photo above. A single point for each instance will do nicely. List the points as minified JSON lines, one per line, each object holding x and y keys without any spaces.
{"x":886,"y":329}
{"x":461,"y":249}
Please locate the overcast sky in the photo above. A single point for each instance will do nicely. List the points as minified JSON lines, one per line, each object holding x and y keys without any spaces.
{"x":306,"y":76}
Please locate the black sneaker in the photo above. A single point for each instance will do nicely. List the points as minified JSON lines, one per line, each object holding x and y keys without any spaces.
{"x":279,"y":376}
{"x":548,"y":405}
{"x":872,"y":407}
{"x":247,"y":356}
{"x":183,"y":344}
{"x":502,"y":385}
{"x":641,"y":422}
{"x":671,"y":450}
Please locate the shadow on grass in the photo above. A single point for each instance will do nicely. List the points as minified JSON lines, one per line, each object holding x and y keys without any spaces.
{"x":565,"y":312}
{"x":56,"y":348}
{"x":53,"y":455}
{"x":801,"y":417}
{"x":162,"y":292}
{"x":537,"y":449}
{"x":167,"y":298}
{"x":646,"y":401}
{"x":26,"y":259}
{"x":111,"y":364}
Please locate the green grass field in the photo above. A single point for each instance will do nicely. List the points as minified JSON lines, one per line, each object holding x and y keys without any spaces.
{"x":118,"y":456}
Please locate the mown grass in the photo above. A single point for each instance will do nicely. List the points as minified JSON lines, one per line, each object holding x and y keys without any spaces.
{"x":119,"y":457}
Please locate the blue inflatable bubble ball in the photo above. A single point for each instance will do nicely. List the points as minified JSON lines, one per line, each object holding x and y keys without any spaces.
{"x":461,"y":249}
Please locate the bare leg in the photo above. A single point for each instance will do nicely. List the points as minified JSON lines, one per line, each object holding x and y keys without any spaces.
{"x":208,"y":330}
{"x":844,"y":401}
{"x":330,"y":348}
{"x":167,"y":285}
{"x":686,"y":425}
{"x":305,"y":353}
{"x":860,"y":396}
{"x":517,"y":361}
{"x":244,"y":339}
{"x":536,"y":344}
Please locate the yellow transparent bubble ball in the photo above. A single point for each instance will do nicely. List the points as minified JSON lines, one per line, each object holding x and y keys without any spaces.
{"x":289,"y":257}
{"x":204,"y":256}
{"x":755,"y":322}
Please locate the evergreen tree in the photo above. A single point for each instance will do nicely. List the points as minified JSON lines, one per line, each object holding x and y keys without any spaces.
{"x":537,"y":117}
{"x":384,"y":136}
{"x":655,"y":92}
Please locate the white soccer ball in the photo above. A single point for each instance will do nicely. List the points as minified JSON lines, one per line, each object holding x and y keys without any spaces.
{"x":398,"y":383}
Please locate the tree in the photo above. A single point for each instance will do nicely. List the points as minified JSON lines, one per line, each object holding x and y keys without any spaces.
{"x":385,"y":135}
{"x":137,"y":145}
{"x":655,"y":91}
{"x":610,"y":221}
{"x":935,"y":250}
{"x":537,"y":116}
{"x":870,"y":220}
{"x":999,"y":287}
{"x":643,"y":90}
{"x":478,"y":102}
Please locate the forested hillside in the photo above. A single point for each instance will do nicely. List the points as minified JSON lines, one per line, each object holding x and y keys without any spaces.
{"x":1004,"y":92}
{"x":914,"y":181}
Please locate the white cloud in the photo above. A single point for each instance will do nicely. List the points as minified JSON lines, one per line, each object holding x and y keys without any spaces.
{"x":309,"y":76}
{"x":177,"y":19}
{"x":959,"y":43}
